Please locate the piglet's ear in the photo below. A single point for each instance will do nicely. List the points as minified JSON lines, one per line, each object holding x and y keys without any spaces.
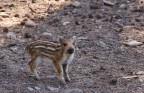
{"x":74,"y":39}
{"x":61,"y":39}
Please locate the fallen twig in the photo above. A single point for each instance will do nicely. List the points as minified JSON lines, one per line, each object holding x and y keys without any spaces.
{"x":31,"y":9}
{"x":108,"y":3}
{"x":129,"y":77}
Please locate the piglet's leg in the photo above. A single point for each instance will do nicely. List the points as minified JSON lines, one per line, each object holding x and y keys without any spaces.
{"x":32,"y":65}
{"x":59,"y":69}
{"x":65,"y":70}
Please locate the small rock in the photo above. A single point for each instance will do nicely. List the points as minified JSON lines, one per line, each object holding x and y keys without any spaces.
{"x":22,"y":69}
{"x":138,"y":19}
{"x":76,"y":4}
{"x":74,"y":11}
{"x":1,"y":57}
{"x":41,"y":17}
{"x":2,"y":41}
{"x":88,"y":82}
{"x":23,"y":21}
{"x":128,"y":1}
{"x":51,"y":77}
{"x":102,"y":10}
{"x":3,"y":66}
{"x":28,"y":16}
{"x":28,"y":35}
{"x":23,"y":40}
{"x":142,"y":24}
{"x":141,"y":78}
{"x":73,"y":91}
{"x":77,"y":22}
{"x":30,"y":89}
{"x":84,"y":52}
{"x":93,"y":6}
{"x":103,"y":45}
{"x":14,"y":48}
{"x":11,"y":5}
{"x":4,"y":15}
{"x":5,"y":29}
{"x":53,"y":89}
{"x":11,"y":35}
{"x":46,"y":35}
{"x":23,"y":1}
{"x":82,"y":38}
{"x":37,"y":88}
{"x":66,"y":23}
{"x":122,"y":68}
{"x":133,"y":43}
{"x":99,"y":15}
{"x":118,"y":16}
{"x":90,"y":16}
{"x":84,"y":27}
{"x":113,"y":82}
{"x":106,"y":2}
{"x":122,"y":6}
{"x":30,"y":23}
{"x":102,"y":68}
{"x":33,"y":1}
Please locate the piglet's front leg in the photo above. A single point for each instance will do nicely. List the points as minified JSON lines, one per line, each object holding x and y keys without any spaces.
{"x":59,"y":69}
{"x":65,"y":70}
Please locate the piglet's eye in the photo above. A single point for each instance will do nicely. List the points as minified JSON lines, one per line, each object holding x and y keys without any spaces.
{"x":64,"y":44}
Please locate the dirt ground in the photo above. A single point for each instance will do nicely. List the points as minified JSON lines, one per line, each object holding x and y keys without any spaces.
{"x":102,"y":62}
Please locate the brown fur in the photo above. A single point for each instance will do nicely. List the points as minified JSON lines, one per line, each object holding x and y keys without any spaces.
{"x":61,"y":53}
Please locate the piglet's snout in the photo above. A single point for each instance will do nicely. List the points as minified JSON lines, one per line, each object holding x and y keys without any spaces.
{"x":70,"y":50}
